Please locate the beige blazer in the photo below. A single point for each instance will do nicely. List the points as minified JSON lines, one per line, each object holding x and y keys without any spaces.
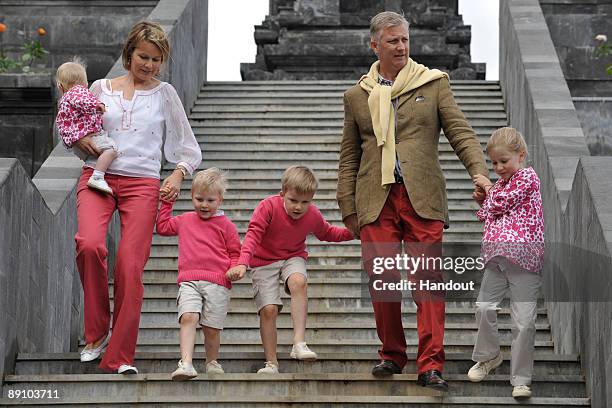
{"x":421,"y":113}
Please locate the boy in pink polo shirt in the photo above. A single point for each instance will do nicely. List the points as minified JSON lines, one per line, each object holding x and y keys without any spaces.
{"x":275,"y":248}
{"x":209,"y":245}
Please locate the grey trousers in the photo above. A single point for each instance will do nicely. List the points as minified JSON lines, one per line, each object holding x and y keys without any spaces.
{"x":524,"y":286}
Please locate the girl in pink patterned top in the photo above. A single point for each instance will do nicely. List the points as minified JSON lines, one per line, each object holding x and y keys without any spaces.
{"x":80,"y":114}
{"x":513,"y":252}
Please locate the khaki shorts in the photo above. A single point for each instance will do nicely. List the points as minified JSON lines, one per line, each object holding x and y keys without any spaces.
{"x":266,"y":278}
{"x":208,"y":299}
{"x":100,"y":140}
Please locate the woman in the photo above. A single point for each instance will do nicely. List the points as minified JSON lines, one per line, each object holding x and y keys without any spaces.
{"x":142,"y":114}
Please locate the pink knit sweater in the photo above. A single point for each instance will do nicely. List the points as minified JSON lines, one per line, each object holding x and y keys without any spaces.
{"x":274,"y":236}
{"x":207,"y":248}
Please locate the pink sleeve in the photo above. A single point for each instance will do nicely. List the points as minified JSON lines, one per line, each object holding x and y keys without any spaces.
{"x":232,"y":243}
{"x":260,"y":220}
{"x":167,"y":225}
{"x":62,"y":120}
{"x":514,"y":193}
{"x":330,"y":233}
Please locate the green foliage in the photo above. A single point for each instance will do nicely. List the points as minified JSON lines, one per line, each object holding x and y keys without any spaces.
{"x":604,"y":50}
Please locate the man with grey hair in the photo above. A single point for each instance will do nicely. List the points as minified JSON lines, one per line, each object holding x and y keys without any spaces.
{"x":391,"y":190}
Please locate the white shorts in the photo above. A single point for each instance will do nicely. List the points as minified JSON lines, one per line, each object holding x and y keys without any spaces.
{"x":209,"y":300}
{"x":100,"y":140}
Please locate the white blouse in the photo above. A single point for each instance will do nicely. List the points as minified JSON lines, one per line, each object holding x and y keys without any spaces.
{"x":138,"y":127}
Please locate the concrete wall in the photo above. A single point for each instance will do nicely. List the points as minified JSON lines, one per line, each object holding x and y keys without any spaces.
{"x":39,"y":284}
{"x":26,"y":118}
{"x":539,"y":104}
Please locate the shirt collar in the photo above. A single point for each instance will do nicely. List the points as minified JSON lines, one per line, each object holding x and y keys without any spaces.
{"x":384,"y":81}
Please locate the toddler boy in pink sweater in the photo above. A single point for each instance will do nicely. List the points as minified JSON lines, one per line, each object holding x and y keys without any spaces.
{"x":209,"y":245}
{"x":275,"y":248}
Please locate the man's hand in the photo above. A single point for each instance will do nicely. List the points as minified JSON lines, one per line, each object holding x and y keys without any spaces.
{"x":479,"y":195}
{"x":482,"y":182}
{"x":236,"y":273}
{"x":87,"y":145}
{"x":352,"y":223}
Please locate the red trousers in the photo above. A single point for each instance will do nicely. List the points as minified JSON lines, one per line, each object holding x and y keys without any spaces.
{"x":398,"y":222}
{"x":136,"y":200}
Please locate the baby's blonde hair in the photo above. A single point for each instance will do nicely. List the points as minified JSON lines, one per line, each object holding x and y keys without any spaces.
{"x":299,"y":178}
{"x":508,"y":137}
{"x":210,"y":180}
{"x":71,"y":73}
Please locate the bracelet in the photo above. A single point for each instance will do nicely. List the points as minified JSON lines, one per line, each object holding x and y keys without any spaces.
{"x":182,"y":170}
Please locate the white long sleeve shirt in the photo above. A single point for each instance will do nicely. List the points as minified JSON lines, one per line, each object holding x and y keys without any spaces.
{"x":139,"y":126}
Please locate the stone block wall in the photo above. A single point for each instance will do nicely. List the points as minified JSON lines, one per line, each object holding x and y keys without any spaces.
{"x":539,"y":104}
{"x":40,"y":290}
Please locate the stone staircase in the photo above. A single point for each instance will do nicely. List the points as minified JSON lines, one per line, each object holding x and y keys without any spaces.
{"x":256,"y":130}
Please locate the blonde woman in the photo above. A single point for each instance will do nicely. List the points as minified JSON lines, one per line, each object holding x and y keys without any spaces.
{"x":142,"y":115}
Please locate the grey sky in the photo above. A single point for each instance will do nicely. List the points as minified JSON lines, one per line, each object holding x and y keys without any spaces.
{"x":230,"y":37}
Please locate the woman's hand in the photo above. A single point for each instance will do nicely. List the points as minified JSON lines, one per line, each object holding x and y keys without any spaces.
{"x":171,"y":186}
{"x":87,"y":145}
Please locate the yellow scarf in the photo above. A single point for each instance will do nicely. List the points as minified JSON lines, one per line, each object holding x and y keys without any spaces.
{"x":412,"y":76}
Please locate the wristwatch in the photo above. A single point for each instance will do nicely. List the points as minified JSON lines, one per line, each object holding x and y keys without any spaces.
{"x":182,"y":170}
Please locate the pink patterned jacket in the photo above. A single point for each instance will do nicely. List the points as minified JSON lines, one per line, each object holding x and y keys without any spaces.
{"x":77,"y":116}
{"x":514,"y":222}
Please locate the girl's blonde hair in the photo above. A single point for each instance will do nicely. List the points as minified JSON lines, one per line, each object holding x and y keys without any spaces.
{"x":299,"y":178}
{"x":71,"y":73}
{"x":510,"y":138}
{"x":210,"y":180}
{"x":145,"y":31}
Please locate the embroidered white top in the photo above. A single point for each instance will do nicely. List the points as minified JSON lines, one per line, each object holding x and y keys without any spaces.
{"x":138,"y":127}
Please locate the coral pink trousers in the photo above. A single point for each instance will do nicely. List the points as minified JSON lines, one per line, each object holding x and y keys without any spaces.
{"x":136,"y":200}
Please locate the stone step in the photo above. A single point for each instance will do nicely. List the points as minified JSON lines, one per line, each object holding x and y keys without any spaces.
{"x":303,"y":123}
{"x":350,"y":384}
{"x":274,"y":147}
{"x":168,"y":320}
{"x":300,"y":140}
{"x":326,"y":346}
{"x":260,"y":108}
{"x":346,"y":82}
{"x":312,"y":114}
{"x":309,"y":86}
{"x":165,"y":362}
{"x":206,"y":93}
{"x":310,"y":401}
{"x":168,"y":302}
{"x":298,"y":131}
{"x":317,"y":100}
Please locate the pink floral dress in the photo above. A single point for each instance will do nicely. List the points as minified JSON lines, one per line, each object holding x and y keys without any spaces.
{"x":77,"y":116}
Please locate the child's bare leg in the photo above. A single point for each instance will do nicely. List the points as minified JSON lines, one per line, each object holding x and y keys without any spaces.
{"x":105,"y":160}
{"x":267,"y":329}
{"x":212,"y":339}
{"x":299,"y":305}
{"x":187,"y":335}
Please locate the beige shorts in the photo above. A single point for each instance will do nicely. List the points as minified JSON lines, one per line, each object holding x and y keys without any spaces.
{"x":208,"y":299}
{"x":101,"y":141}
{"x":266,"y":279}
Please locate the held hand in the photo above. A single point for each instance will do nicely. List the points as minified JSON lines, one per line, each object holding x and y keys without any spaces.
{"x":478,"y":195}
{"x":171,"y":186}
{"x":236,"y":273}
{"x":352,"y":223}
{"x":481,"y":181}
{"x":87,"y":145}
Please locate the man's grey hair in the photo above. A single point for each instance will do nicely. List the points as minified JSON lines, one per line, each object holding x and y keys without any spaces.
{"x":383,"y":20}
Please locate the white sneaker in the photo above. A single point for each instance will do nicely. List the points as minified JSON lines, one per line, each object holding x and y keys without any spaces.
{"x":99,"y":184}
{"x":214,"y":368}
{"x":270,"y":368}
{"x":185,"y":371}
{"x":127,"y":369}
{"x":479,"y":371}
{"x":94,"y":353}
{"x":521,"y":391}
{"x":300,"y":351}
